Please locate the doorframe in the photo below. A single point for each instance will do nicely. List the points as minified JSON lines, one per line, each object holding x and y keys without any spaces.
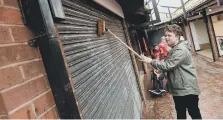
{"x":208,"y":32}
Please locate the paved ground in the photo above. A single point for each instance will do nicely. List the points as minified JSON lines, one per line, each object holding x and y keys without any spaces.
{"x":210,"y":78}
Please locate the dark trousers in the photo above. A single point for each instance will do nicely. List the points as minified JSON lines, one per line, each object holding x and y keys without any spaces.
{"x":158,"y":82}
{"x":189,"y":102}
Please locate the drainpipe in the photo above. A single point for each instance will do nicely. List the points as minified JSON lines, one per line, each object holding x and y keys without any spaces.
{"x":37,"y":16}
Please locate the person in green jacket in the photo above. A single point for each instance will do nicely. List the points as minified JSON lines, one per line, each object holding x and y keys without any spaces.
{"x":181,"y":73}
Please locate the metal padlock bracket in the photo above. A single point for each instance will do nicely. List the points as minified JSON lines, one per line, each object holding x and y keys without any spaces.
{"x":33,"y":42}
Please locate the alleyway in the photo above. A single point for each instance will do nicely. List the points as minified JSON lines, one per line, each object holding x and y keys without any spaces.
{"x":211,"y":99}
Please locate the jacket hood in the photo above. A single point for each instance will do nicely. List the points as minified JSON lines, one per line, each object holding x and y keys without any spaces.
{"x":186,"y":44}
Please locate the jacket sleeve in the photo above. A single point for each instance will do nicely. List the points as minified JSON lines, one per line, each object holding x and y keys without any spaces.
{"x":172,"y":62}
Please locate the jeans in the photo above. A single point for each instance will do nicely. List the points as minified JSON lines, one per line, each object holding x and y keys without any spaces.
{"x":189,"y":102}
{"x":158,"y":83}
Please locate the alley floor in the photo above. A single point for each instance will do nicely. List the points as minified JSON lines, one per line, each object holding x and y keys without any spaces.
{"x":210,"y":78}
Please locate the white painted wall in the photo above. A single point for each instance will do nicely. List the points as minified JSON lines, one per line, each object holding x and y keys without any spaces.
{"x":194,"y":35}
{"x":201,"y":31}
{"x":218,"y":26}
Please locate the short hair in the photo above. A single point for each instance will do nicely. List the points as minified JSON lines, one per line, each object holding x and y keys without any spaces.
{"x":155,"y":44}
{"x":174,"y":29}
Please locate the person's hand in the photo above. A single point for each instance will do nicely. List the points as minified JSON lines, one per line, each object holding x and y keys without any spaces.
{"x":146,"y":59}
{"x":169,"y":49}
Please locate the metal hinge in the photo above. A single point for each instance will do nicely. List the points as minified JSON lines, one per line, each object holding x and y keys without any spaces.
{"x":33,"y":42}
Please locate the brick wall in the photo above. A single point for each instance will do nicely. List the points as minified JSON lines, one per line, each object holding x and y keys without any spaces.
{"x":24,"y":89}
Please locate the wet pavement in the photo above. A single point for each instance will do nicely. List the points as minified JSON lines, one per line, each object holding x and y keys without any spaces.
{"x":210,"y":78}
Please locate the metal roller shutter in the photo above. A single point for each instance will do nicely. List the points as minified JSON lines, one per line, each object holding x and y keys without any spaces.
{"x":101,"y":67}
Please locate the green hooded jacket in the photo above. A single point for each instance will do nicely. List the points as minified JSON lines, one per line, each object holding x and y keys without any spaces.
{"x":180,"y":70}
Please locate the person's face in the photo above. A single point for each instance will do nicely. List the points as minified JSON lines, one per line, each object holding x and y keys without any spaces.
{"x":171,"y":38}
{"x":164,"y":40}
{"x":156,"y":47}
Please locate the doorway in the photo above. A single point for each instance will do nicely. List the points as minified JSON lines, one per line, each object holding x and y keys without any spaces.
{"x":200,"y":38}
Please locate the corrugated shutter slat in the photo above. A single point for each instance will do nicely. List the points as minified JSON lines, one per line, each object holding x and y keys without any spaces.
{"x":101,"y":67}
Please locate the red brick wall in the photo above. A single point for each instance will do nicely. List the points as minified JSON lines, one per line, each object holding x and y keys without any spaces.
{"x":24,"y":89}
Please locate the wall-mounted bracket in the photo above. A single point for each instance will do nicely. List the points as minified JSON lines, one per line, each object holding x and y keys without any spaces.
{"x":33,"y":42}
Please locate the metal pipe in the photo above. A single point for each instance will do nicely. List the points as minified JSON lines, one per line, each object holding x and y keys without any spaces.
{"x":41,"y":22}
{"x":183,"y":5}
{"x":170,"y":15}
